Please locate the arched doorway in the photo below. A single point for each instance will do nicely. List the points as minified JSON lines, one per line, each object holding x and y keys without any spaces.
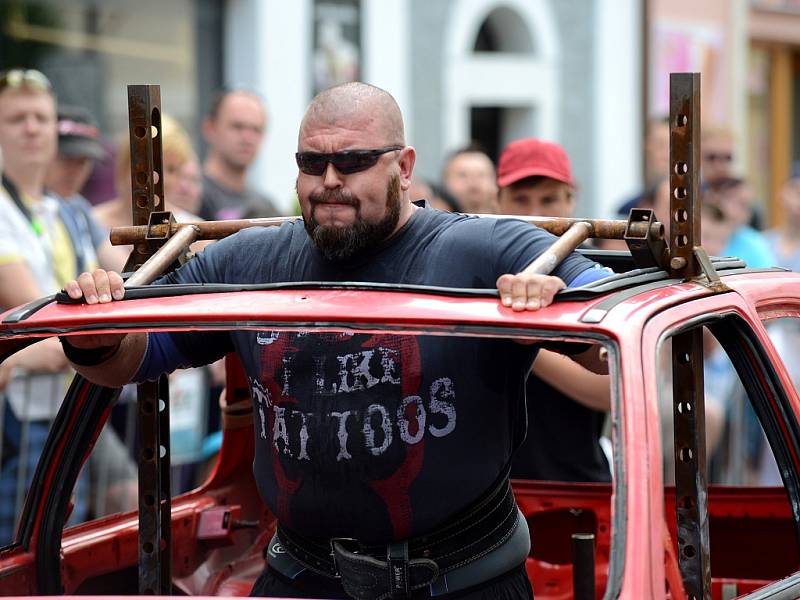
{"x":501,"y":76}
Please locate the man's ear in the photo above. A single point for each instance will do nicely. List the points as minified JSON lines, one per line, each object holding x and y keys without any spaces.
{"x":502,"y":194}
{"x":208,"y":129}
{"x":408,"y":157}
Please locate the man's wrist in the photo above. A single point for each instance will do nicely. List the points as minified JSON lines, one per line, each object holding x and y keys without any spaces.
{"x":88,"y":357}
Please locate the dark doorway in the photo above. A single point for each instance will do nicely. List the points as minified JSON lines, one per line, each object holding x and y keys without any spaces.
{"x":485,"y":127}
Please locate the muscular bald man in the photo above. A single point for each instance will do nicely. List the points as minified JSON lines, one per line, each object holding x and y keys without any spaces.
{"x":361,"y":516}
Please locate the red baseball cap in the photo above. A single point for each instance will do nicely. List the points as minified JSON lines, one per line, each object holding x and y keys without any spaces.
{"x":531,"y":157}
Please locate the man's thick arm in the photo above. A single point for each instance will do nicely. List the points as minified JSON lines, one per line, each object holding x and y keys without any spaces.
{"x":109,"y":359}
{"x":124,"y":357}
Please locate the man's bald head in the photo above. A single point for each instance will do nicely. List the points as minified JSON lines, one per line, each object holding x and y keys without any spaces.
{"x":356,"y":104}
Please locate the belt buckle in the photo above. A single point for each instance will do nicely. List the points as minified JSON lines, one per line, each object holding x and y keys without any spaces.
{"x":343,"y":541}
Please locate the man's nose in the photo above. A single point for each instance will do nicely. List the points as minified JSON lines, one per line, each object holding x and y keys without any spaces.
{"x":32,"y":124}
{"x":331,"y":178}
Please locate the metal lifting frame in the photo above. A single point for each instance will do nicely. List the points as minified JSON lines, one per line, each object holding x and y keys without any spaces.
{"x":159,"y":241}
{"x":643,"y":234}
{"x":687,"y":348}
{"x":155,"y":498}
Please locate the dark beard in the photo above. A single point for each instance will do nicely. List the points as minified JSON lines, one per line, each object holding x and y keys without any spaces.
{"x":343,"y":243}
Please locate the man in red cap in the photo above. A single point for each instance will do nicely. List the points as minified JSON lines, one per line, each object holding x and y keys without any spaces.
{"x":567,"y":403}
{"x":534,"y":177}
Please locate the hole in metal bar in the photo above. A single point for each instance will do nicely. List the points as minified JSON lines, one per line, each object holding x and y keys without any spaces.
{"x":681,"y":215}
{"x":139,"y":131}
{"x":680,"y":192}
{"x":688,"y":551}
{"x":686,"y":454}
{"x":681,"y":168}
{"x":682,"y":120}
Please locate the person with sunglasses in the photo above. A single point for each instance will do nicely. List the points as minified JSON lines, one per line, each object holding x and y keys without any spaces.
{"x":319,"y":465}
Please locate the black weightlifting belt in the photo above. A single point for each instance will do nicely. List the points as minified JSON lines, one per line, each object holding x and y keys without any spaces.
{"x":380,"y":571}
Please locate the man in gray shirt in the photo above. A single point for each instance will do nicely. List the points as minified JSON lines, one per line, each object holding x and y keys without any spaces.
{"x":234,"y":129}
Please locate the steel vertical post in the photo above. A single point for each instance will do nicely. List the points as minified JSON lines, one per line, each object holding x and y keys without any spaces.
{"x":687,"y":347}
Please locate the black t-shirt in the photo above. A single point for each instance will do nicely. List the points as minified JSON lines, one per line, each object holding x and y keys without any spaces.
{"x":375,"y":437}
{"x":562,"y":443}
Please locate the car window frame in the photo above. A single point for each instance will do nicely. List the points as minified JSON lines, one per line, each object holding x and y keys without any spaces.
{"x":48,"y":553}
{"x":732,"y":321}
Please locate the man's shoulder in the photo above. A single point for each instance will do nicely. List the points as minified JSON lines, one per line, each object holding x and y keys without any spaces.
{"x":6,"y":203}
{"x":751,"y":246}
{"x":483,"y":231}
{"x":747,"y":236}
{"x":10,"y":215}
{"x":452,"y":222}
{"x":279,"y":238}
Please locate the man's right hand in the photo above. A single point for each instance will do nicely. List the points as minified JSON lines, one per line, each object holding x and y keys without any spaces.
{"x":97,"y":287}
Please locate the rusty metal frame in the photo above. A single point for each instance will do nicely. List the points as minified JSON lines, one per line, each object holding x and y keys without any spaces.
{"x":147,"y":165}
{"x":155,"y":497}
{"x":152,"y":228}
{"x":560,"y":249}
{"x":646,"y":244}
{"x":609,"y":229}
{"x":691,"y":485}
{"x":684,"y":179}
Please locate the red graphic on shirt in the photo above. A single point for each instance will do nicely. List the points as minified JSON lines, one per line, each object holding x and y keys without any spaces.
{"x":346,"y":408}
{"x":271,"y":356}
{"x":394,"y":490}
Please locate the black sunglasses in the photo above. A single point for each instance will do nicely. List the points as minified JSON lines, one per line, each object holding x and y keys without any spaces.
{"x":346,"y":161}
{"x":25,"y":78}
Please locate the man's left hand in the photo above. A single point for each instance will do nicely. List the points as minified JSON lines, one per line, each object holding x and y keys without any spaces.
{"x":528,"y":291}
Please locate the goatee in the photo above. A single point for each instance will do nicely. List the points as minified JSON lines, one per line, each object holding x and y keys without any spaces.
{"x":337,"y":243}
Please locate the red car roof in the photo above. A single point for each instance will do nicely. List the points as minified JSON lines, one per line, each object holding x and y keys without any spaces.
{"x":396,"y":308}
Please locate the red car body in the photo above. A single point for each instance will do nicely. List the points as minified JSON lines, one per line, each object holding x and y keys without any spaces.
{"x":754,"y":531}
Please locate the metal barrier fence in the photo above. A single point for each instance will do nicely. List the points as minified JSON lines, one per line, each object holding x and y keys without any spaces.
{"x":108,"y":480}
